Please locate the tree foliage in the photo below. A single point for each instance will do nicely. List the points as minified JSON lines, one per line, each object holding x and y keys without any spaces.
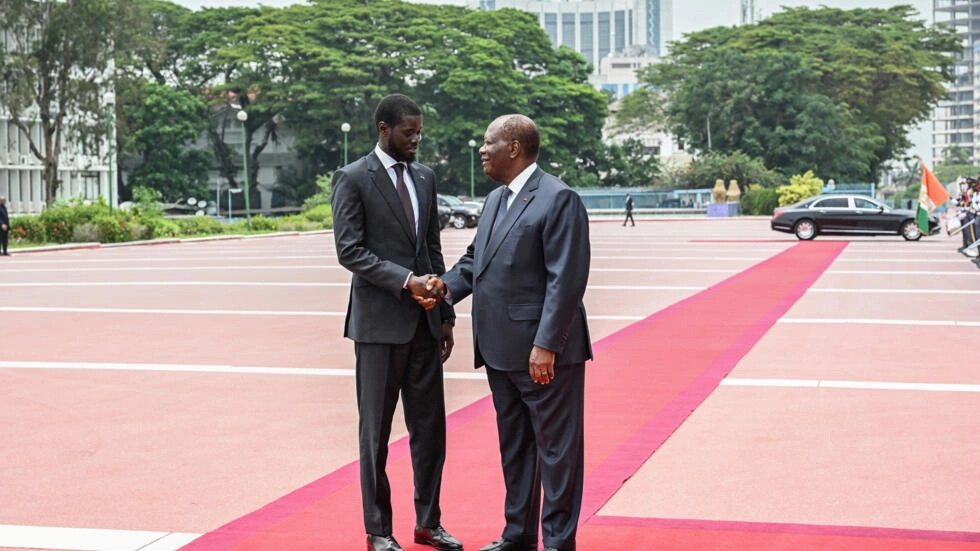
{"x":56,"y":69}
{"x":307,"y":69}
{"x":801,"y":186}
{"x":705,"y":170}
{"x":165,"y":122}
{"x":830,"y":90}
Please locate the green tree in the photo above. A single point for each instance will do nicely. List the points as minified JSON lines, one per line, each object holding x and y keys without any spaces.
{"x":765,"y":105}
{"x":627,"y":165}
{"x":308,"y":69}
{"x":165,"y":123}
{"x":56,"y":70}
{"x":705,"y":170}
{"x":879,"y":70}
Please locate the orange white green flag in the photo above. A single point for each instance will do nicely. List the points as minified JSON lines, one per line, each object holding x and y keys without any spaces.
{"x":931,"y":195}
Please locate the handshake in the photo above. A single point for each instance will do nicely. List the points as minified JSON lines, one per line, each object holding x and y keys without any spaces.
{"x":428,"y":290}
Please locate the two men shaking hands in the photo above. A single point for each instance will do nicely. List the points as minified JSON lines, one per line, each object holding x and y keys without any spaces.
{"x":428,"y":290}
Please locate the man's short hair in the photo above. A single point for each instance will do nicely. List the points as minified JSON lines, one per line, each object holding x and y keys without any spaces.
{"x":393,"y":108}
{"x":522,"y":129}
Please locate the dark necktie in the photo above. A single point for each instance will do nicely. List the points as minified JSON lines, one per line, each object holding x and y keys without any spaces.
{"x":404,"y":196}
{"x":501,"y":209}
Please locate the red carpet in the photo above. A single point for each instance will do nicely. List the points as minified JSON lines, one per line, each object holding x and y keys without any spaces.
{"x":645,"y":382}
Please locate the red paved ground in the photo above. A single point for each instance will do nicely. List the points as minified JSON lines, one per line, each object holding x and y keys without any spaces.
{"x":188,"y":452}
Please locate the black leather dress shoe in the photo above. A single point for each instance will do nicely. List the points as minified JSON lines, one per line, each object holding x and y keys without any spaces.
{"x":382,"y":543}
{"x":437,"y":537}
{"x":507,"y":545}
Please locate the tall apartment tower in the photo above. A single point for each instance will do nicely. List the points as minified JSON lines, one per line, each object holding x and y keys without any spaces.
{"x":953,"y":121}
{"x":599,"y":28}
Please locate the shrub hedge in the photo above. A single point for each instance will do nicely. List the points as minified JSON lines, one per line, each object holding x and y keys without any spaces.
{"x":81,"y":221}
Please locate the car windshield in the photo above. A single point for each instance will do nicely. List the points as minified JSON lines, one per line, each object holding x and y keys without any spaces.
{"x":451,"y":200}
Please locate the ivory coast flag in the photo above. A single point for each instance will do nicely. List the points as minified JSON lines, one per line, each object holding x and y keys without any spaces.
{"x":931,"y":195}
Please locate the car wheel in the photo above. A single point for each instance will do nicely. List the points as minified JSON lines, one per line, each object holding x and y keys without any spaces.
{"x":459,"y":222}
{"x":910,"y":230}
{"x":805,"y":229}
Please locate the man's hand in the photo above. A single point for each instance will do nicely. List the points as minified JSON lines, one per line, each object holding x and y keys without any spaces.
{"x":542,"y":365}
{"x":425,"y":291}
{"x":447,"y":341}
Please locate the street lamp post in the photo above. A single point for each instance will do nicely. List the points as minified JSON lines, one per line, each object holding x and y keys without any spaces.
{"x":345,"y":128}
{"x":110,"y":101}
{"x":472,"y":144}
{"x":243,"y":116}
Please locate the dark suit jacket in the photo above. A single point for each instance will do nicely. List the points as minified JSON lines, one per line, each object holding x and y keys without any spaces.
{"x":374,"y":241}
{"x":528,"y":278}
{"x":4,"y":217}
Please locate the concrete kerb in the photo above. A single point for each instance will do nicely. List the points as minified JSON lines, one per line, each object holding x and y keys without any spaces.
{"x":165,"y":241}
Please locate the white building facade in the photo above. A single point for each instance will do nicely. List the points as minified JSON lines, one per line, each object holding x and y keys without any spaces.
{"x":598,"y":29}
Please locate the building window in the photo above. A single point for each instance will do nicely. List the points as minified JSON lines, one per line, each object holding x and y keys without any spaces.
{"x":568,"y":30}
{"x":604,"y":35}
{"x":551,"y":27}
{"x":585,"y":26}
{"x":620,"y":30}
{"x":90,"y":185}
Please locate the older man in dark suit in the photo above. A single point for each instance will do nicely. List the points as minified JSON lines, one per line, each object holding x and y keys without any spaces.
{"x":386,"y":228}
{"x":527,"y":270}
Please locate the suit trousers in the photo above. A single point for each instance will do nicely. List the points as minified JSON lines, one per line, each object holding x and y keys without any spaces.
{"x":541,"y":433}
{"x":4,"y":235}
{"x":414,"y":370}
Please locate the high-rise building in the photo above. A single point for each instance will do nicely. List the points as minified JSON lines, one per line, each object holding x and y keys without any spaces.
{"x":599,"y":28}
{"x":954,"y":121}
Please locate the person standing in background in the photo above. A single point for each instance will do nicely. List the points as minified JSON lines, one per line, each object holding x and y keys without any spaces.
{"x":629,"y":210}
{"x":4,"y":226}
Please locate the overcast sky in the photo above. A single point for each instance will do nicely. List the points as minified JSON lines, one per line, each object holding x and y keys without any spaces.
{"x":689,"y":15}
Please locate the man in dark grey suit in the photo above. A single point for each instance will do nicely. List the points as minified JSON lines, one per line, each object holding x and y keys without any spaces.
{"x":527,"y":270}
{"x":386,"y":228}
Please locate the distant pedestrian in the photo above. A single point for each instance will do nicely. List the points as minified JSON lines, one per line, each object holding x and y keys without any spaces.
{"x":629,"y":211}
{"x":4,"y":226}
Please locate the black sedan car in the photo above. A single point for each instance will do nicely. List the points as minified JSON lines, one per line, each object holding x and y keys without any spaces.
{"x":847,"y":215}
{"x":464,"y":215}
{"x":445,"y":215}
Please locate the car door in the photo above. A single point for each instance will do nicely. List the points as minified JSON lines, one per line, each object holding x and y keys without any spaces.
{"x":872,"y":217}
{"x":831,"y":214}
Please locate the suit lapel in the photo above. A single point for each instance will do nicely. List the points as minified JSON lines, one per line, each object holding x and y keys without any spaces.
{"x":382,"y":182}
{"x":517,"y":208}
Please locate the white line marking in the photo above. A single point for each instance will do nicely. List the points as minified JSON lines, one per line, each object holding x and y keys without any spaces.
{"x":902,"y":272}
{"x":91,"y":539}
{"x":646,"y":288}
{"x":916,"y":291}
{"x":171,"y":268}
{"x":172,"y":311}
{"x":860,"y":385}
{"x":665,"y":270}
{"x":863,"y":260}
{"x":170,"y":284}
{"x":868,"y":321}
{"x":190,"y":368}
{"x":704,"y":257}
